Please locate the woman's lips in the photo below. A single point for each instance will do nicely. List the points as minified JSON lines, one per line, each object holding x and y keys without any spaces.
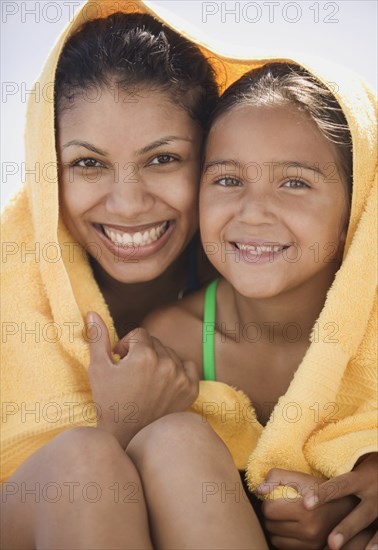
{"x":141,"y":236}
{"x":131,"y":246}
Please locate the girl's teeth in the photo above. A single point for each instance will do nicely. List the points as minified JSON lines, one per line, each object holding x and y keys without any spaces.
{"x":259,"y":249}
{"x":137,"y":239}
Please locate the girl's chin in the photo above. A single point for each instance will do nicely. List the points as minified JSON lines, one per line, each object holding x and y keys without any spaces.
{"x":255,"y":289}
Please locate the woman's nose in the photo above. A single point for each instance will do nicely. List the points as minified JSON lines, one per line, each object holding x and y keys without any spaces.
{"x":129,"y":196}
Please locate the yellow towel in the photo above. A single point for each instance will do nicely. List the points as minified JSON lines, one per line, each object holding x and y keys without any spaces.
{"x":47,"y":287}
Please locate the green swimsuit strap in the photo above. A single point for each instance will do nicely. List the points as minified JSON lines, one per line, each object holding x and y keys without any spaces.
{"x":208,"y":331}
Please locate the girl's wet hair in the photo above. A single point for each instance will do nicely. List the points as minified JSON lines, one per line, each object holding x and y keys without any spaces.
{"x":285,"y":83}
{"x":133,"y":51}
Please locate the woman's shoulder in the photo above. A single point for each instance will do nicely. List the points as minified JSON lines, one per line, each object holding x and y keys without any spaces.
{"x":179,"y":326}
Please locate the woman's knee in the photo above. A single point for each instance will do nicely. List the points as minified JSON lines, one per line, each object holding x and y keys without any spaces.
{"x":77,"y":452}
{"x":67,"y":469}
{"x":179,"y":435}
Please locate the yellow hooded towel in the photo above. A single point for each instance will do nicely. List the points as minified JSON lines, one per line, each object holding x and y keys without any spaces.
{"x":326,"y":419}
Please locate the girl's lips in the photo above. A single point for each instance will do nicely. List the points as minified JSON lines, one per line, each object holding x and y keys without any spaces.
{"x":134,"y":252}
{"x":258,"y":254}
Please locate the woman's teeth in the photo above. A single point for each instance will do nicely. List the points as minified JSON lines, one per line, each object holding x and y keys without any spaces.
{"x":260,"y":249}
{"x":141,"y":238}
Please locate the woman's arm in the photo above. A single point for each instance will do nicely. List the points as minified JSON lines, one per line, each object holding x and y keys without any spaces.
{"x":148,"y":382}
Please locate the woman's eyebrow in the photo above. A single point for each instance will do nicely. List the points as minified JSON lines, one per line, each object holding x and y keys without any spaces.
{"x":87,"y":145}
{"x":162,"y":141}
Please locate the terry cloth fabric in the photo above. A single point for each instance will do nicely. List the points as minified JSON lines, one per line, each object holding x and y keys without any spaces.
{"x":47,"y":288}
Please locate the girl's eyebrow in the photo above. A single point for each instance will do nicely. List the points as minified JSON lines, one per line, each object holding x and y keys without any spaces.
{"x":286,"y":163}
{"x":299,"y":164}
{"x":162,"y":141}
{"x":231,"y":162}
{"x":86,"y":145}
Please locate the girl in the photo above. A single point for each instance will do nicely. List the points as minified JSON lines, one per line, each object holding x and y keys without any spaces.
{"x":275,"y":206}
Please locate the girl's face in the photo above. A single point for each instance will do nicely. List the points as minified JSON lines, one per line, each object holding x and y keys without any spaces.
{"x":129,"y":172}
{"x":273,"y":206}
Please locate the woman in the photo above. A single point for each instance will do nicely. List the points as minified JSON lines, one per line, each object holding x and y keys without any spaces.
{"x":117,"y":235}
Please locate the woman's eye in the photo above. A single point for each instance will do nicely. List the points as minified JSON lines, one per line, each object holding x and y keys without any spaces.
{"x":162,"y":159}
{"x":87,"y":163}
{"x":295,"y":184}
{"x":228,"y":182}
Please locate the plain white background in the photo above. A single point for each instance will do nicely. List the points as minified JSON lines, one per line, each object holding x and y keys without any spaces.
{"x":344,"y":31}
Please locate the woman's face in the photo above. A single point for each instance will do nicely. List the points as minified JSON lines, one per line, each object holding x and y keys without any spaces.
{"x":273,"y":205}
{"x":129,"y":172}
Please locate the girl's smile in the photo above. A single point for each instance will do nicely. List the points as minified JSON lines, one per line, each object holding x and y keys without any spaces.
{"x":272,"y":200}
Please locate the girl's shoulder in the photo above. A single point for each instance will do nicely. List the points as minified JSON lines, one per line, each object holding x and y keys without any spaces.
{"x":179,"y":326}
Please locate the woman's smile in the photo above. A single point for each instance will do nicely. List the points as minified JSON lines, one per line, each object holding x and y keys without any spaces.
{"x":138,"y":242}
{"x":142,"y":215}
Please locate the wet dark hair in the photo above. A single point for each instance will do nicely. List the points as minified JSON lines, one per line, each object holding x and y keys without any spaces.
{"x":286,"y":83}
{"x":126,"y":51}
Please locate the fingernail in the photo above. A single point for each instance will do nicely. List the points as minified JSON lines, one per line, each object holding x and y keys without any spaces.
{"x":311,"y":501}
{"x":338,"y":540}
{"x":90,"y":317}
{"x":374,"y":547}
{"x":262,"y":488}
{"x":92,"y":329}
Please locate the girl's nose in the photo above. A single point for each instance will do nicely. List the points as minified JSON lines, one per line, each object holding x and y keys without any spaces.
{"x":256,"y":205}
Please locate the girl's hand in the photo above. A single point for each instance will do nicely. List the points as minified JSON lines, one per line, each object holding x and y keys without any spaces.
{"x":148,"y":382}
{"x":362,"y":482}
{"x":289,"y":523}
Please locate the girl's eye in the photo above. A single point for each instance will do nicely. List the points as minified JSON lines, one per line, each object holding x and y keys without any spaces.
{"x":295,"y":184}
{"x":87,"y":163}
{"x":162,"y":159}
{"x":228,"y":181}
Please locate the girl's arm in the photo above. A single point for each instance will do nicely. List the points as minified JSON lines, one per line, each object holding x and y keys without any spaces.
{"x":336,"y":518}
{"x":179,"y":326}
{"x":362,"y":482}
{"x":288,"y":522}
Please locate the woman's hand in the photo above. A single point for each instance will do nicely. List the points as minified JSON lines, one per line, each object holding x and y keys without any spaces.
{"x":362,"y":482}
{"x":148,"y":382}
{"x":289,"y":523}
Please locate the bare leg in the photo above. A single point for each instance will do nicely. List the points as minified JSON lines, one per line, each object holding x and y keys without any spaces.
{"x":87,"y":494}
{"x":193,"y":491}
